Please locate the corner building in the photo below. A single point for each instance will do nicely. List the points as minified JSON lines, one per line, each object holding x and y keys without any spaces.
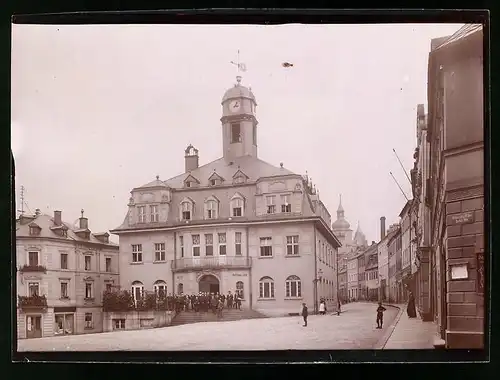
{"x":236,"y":224}
{"x":63,"y":270}
{"x":448,"y":184}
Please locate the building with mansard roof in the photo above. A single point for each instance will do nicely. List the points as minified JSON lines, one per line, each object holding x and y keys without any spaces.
{"x":236,"y":224}
{"x":62,"y":271}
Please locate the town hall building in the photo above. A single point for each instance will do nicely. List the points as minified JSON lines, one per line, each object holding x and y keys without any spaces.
{"x":236,"y":224}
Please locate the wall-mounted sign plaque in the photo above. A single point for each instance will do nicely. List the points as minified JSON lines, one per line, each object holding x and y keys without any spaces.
{"x":462,"y":218}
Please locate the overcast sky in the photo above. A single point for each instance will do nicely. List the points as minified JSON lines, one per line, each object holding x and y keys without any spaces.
{"x":100,"y":109}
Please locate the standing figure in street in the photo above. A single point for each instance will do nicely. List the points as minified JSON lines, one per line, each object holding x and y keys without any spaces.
{"x":304,"y":313}
{"x":410,"y":309}
{"x":338,"y":307}
{"x":380,"y":315}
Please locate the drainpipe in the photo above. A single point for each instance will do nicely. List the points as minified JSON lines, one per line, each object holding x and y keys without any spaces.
{"x":249,"y":262}
{"x":315,"y":290}
{"x":173,"y":262}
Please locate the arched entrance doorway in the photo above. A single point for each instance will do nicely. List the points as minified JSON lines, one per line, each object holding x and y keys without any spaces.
{"x":209,"y":284}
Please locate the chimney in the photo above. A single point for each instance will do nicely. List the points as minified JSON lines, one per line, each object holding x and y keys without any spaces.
{"x":382,"y":227}
{"x":191,"y":158}
{"x":84,"y":223}
{"x":57,"y":218}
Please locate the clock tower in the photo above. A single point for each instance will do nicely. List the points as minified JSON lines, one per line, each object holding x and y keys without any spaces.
{"x":239,"y":124}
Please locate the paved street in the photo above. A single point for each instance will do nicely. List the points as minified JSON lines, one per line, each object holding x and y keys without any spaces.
{"x":353,"y":329}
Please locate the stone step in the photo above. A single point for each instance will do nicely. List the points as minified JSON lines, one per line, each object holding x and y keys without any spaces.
{"x":227,"y":315}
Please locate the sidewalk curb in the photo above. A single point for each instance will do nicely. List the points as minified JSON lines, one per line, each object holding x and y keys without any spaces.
{"x":383,"y":341}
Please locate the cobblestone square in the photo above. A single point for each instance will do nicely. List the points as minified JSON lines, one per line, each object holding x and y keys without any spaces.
{"x":353,"y":329}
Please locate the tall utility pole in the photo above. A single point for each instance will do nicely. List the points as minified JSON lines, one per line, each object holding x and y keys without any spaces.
{"x":22,"y":201}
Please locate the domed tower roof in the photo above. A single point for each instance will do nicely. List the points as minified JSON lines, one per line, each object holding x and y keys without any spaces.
{"x":238,"y":91}
{"x":340,"y":223}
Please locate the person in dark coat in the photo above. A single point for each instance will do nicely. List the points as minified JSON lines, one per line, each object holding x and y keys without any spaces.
{"x":304,"y":313}
{"x":380,"y":315}
{"x":410,"y":309}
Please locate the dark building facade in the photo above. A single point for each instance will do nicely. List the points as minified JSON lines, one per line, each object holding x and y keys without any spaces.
{"x":449,"y":185}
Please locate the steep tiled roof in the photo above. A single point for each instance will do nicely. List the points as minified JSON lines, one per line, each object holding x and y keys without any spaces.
{"x":45,"y":222}
{"x":252,"y":167}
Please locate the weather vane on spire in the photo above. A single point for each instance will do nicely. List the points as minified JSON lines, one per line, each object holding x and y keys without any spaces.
{"x":240,"y":66}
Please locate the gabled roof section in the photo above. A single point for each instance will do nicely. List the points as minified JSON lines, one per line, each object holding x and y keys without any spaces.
{"x":101,"y":234}
{"x":239,"y":173}
{"x":250,"y":166}
{"x":215,"y":176}
{"x":212,"y":198}
{"x":156,"y":183}
{"x":191,"y":178}
{"x":187,"y":199}
{"x":237,"y":195}
{"x":49,"y":230}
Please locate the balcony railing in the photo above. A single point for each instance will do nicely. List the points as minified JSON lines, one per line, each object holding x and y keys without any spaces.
{"x":33,"y":268}
{"x":32,"y":302}
{"x":188,"y":263}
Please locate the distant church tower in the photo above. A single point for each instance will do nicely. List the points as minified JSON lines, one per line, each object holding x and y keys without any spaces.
{"x":239,"y":124}
{"x":341,"y":226}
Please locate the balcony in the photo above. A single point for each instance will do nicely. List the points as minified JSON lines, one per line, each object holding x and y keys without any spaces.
{"x":216,"y":262}
{"x":32,"y":268}
{"x":34,"y":302}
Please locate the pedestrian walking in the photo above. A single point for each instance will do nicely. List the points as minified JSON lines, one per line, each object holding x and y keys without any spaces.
{"x":410,"y":309}
{"x":338,"y":307}
{"x":304,"y":314}
{"x":380,"y":315}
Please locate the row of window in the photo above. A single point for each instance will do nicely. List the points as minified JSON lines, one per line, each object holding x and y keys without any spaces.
{"x":266,"y":247}
{"x":211,"y":208}
{"x":372,"y":275}
{"x":293,"y":287}
{"x":326,"y":254}
{"x":34,"y":289}
{"x":34,"y":261}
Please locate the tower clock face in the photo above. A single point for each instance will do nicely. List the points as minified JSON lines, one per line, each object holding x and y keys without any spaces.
{"x":235,"y":106}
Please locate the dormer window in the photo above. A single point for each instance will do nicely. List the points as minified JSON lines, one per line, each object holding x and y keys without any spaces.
{"x":64,"y":233}
{"x":155,"y":216}
{"x":285,"y":204}
{"x":190,"y":181}
{"x":142,"y":214}
{"x":187,"y":209}
{"x":215,"y":179}
{"x":271,"y":204}
{"x":35,"y":230}
{"x":235,"y":133}
{"x":211,"y":208}
{"x":237,"y":205}
{"x":239,"y":180}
